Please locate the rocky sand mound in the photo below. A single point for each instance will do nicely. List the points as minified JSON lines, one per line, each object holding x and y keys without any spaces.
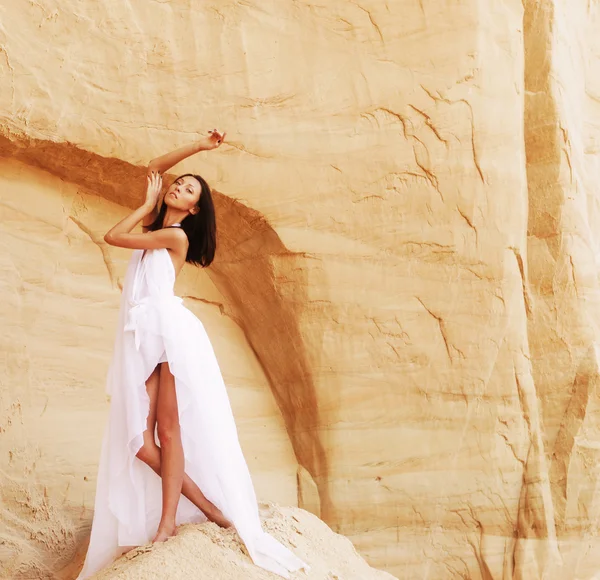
{"x":206,"y":552}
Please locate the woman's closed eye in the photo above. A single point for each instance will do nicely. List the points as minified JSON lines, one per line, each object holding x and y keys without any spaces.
{"x":188,"y":188}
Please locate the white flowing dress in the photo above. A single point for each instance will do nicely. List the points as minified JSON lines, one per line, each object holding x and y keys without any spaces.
{"x":154,"y":325}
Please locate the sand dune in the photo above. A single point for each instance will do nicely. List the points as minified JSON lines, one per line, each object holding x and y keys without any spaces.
{"x":206,"y":552}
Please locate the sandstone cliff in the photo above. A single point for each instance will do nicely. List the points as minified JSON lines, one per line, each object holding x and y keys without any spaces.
{"x":405,"y":302}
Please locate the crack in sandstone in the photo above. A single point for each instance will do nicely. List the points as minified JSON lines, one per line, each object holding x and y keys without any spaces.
{"x":103,"y":251}
{"x":573,"y":276}
{"x":524,"y":283}
{"x":440,"y":98}
{"x":219,"y":305}
{"x":484,"y":569}
{"x":429,"y":123}
{"x":469,"y":223}
{"x":443,"y":331}
{"x":418,"y":152}
{"x":243,"y":149}
{"x":372,"y":20}
{"x":508,"y":442}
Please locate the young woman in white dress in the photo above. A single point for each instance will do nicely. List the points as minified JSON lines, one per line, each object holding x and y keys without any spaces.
{"x":165,"y":384}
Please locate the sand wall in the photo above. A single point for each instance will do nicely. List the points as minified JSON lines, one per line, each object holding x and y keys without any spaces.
{"x":405,"y":300}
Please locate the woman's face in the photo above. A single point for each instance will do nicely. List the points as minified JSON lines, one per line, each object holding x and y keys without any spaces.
{"x":183,"y":193}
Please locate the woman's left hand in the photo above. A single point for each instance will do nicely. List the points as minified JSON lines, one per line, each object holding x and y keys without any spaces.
{"x":154,"y":187}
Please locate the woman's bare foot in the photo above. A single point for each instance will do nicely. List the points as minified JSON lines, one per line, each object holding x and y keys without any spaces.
{"x":215,"y":515}
{"x":164,"y":533}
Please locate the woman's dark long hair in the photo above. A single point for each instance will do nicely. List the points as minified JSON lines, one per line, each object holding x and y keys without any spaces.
{"x":200,"y":228}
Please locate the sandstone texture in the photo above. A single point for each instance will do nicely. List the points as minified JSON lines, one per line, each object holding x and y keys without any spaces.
{"x":405,"y":302}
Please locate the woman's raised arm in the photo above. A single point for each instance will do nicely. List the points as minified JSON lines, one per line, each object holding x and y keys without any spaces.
{"x":205,"y":143}
{"x":168,"y":160}
{"x":120,"y":234}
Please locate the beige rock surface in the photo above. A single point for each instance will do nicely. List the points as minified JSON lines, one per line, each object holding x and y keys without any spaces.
{"x":407,"y":273}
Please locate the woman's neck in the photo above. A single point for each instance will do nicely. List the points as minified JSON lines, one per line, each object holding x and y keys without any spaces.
{"x":172,"y":218}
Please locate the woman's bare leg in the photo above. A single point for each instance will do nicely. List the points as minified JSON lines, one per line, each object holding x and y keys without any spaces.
{"x":171,"y":453}
{"x":150,"y":454}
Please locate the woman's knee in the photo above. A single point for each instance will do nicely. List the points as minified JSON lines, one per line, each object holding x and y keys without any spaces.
{"x":168,"y":431}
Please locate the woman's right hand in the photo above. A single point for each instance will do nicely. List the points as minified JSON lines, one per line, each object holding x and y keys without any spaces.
{"x":154,"y":187}
{"x":212,"y":140}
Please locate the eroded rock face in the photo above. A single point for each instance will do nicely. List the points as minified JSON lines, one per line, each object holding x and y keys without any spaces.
{"x":405,"y":299}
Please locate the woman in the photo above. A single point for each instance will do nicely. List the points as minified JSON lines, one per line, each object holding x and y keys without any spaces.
{"x":164,"y":377}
